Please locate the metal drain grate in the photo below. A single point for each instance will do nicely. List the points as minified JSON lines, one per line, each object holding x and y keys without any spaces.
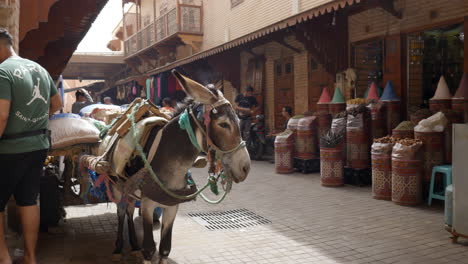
{"x":232,"y":219}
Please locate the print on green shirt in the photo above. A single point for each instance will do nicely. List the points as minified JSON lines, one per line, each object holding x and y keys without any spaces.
{"x":29,"y":87}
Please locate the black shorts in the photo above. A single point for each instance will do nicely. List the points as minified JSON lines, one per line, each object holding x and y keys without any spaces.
{"x":20,"y":176}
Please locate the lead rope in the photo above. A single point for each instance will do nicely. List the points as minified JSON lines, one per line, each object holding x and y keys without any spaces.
{"x":148,"y":167}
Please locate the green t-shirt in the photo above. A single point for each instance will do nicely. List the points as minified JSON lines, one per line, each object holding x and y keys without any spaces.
{"x":29,"y":87}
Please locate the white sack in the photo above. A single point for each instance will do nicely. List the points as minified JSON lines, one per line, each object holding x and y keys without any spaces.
{"x":71,"y":131}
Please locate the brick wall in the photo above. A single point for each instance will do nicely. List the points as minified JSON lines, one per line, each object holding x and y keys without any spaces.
{"x":223,"y":23}
{"x":416,"y":14}
{"x":273,"y":51}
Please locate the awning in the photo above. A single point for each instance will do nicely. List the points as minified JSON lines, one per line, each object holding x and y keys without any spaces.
{"x":332,"y":6}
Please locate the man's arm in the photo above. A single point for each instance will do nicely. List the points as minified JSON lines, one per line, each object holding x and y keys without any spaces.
{"x":88,"y":97}
{"x":55,"y":104}
{"x":4,"y":113}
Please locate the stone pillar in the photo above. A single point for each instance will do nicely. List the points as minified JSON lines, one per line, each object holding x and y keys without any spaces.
{"x":9,"y":18}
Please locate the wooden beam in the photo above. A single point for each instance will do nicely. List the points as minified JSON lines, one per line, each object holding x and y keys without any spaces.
{"x":282,"y":42}
{"x":386,"y":5}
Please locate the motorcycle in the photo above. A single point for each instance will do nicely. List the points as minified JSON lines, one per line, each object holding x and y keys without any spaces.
{"x":257,"y":142}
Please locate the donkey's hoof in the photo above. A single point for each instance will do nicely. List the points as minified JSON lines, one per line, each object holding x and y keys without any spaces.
{"x":163,"y":261}
{"x":136,"y":253}
{"x":116,"y":257}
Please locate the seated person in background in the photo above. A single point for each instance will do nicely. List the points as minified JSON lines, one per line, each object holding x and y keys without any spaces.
{"x":287,"y":114}
{"x":82,"y":99}
{"x":167,"y":105}
{"x":108,"y":101}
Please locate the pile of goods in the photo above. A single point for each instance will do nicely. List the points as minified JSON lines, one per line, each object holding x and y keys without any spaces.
{"x":392,"y":105}
{"x":442,"y":99}
{"x":70,"y":129}
{"x":331,"y":160}
{"x":407,"y":172}
{"x":357,"y":138}
{"x":404,"y":130}
{"x":381,"y":152}
{"x":284,"y":152}
{"x":420,"y":115}
{"x":431,"y":132}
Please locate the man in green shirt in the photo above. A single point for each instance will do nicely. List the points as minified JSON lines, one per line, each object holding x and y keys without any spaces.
{"x":27,"y":97}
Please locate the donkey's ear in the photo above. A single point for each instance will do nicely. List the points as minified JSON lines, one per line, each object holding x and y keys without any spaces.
{"x":195,"y":90}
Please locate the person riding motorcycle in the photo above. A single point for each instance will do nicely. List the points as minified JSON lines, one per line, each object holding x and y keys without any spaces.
{"x":245,"y":105}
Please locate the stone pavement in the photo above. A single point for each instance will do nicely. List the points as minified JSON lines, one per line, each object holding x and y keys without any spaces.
{"x":309,"y":224}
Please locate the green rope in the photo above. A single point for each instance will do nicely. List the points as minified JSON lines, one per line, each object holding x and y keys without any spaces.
{"x":184,"y":123}
{"x":148,"y":167}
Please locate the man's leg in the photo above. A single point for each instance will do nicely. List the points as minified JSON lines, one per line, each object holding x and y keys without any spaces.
{"x":4,"y":255}
{"x":26,"y":194}
{"x":30,"y":224}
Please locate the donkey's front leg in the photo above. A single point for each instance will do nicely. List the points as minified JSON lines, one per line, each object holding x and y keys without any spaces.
{"x":165,"y":244}
{"x":121,"y":212}
{"x":149,"y":247}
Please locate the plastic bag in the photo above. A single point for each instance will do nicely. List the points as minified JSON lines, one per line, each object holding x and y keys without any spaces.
{"x":382,"y":148}
{"x":434,"y":123}
{"x":71,"y":131}
{"x":355,"y":122}
{"x":406,"y":152}
{"x":338,"y":125}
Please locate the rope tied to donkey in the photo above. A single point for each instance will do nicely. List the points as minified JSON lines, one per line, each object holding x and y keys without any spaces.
{"x":153,"y":175}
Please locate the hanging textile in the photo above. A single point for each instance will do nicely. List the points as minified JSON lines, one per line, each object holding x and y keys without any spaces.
{"x":148,"y":88}
{"x":151,"y":94}
{"x":164,"y":86}
{"x":171,"y":86}
{"x":157,"y":89}
{"x":179,"y":87}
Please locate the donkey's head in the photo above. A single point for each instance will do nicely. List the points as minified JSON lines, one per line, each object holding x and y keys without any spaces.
{"x":222,"y":126}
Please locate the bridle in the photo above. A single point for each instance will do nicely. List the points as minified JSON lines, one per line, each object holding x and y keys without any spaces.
{"x":206,"y":110}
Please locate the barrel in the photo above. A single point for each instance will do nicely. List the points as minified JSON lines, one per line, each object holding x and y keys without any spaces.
{"x":436,"y":105}
{"x":357,"y":148}
{"x":284,"y":152}
{"x":393,"y":114}
{"x":433,"y":151}
{"x":306,"y":139}
{"x":336,"y":108}
{"x":324,"y":121}
{"x":378,"y":123}
{"x":400,"y":134}
{"x":418,"y":116}
{"x":323,"y":108}
{"x":406,"y":182}
{"x":331,"y":167}
{"x":382,"y":176}
{"x":292,"y":124}
{"x":460,"y":105}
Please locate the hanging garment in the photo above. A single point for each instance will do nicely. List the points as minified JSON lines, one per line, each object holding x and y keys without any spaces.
{"x":151,"y":94}
{"x":148,"y":88}
{"x":171,"y":86}
{"x":164,"y":86}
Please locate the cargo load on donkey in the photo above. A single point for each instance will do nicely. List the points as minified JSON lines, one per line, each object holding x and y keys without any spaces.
{"x":145,"y":156}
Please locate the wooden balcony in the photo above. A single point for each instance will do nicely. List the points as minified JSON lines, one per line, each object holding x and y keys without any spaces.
{"x":181,"y":20}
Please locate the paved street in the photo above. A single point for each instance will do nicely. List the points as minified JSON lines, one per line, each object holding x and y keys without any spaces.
{"x":309,"y":224}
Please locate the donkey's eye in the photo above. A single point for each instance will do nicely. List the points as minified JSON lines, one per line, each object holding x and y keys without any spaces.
{"x":224,"y":125}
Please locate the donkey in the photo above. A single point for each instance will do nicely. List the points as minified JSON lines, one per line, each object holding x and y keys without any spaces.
{"x":175,"y":154}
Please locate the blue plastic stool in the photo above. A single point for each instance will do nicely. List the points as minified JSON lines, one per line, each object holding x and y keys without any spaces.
{"x":446,"y":170}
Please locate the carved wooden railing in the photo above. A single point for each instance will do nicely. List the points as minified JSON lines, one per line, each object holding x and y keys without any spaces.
{"x":183,"y":19}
